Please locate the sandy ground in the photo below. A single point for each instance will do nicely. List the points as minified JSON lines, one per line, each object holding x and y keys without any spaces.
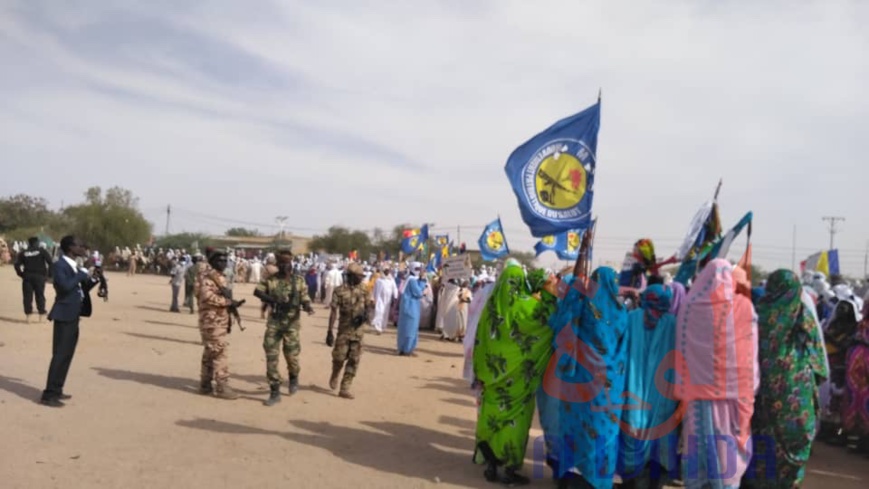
{"x":136,"y":421}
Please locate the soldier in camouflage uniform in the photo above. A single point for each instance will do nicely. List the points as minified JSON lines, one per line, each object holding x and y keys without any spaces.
{"x":286,"y":293}
{"x":350,"y":304}
{"x":190,"y":282}
{"x":269,"y":271}
{"x":214,"y":304}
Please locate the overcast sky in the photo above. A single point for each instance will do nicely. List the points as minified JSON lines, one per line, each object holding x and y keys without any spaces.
{"x":367,"y":113}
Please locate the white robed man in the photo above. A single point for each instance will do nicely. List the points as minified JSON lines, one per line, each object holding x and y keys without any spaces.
{"x":385,"y":291}
{"x":332,"y":281}
{"x":256,"y":270}
{"x":447,"y":319}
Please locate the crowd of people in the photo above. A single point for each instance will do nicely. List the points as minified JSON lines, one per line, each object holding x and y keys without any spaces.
{"x":714,"y":382}
{"x":717,"y":384}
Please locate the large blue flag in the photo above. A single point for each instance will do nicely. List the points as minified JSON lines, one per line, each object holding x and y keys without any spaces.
{"x":493,"y":244}
{"x":552,"y":174}
{"x":565,"y":245}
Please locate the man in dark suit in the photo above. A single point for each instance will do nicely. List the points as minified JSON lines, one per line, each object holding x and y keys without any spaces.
{"x":72,"y":301}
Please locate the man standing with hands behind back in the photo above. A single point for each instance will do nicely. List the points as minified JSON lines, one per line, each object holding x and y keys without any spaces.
{"x":72,"y":301}
{"x":33,"y":266}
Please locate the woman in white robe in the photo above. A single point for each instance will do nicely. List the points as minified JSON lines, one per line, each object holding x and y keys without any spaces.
{"x":385,"y":291}
{"x":447,"y":321}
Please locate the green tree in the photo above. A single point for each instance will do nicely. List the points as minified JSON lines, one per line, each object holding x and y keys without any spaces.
{"x":22,"y":216}
{"x":106,"y":221}
{"x":242,"y":232}
{"x":24,"y":211}
{"x":342,"y":240}
{"x":184,"y":241}
{"x":758,"y":275}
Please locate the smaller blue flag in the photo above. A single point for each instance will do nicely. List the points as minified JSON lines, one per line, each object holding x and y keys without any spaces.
{"x":565,"y":245}
{"x":547,"y":243}
{"x":493,"y":243}
{"x":570,"y":249}
{"x":833,"y":262}
{"x":414,"y":239}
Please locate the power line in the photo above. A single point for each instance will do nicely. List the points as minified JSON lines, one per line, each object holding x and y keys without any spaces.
{"x":832,"y":220}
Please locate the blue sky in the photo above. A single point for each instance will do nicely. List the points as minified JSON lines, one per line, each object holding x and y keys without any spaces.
{"x":369,"y":114}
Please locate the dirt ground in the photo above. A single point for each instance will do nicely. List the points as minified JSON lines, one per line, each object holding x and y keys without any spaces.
{"x":136,"y":421}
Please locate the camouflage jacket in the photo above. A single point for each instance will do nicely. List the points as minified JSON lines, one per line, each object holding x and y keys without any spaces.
{"x":201,"y":268}
{"x":350,"y":301}
{"x":292,"y":292}
{"x":213,"y":306}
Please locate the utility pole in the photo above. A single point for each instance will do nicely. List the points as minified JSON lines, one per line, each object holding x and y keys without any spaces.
{"x":168,"y":215}
{"x":282,"y":222}
{"x":833,"y":220}
{"x":458,"y":236}
{"x":794,"y":250}
{"x":866,"y":262}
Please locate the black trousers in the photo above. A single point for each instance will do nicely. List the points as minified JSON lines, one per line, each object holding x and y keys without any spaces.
{"x":30,"y":285}
{"x":62,"y":350}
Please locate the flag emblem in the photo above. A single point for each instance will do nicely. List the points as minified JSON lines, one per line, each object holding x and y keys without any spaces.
{"x":572,"y":242}
{"x":559,"y":178}
{"x":495,"y":240}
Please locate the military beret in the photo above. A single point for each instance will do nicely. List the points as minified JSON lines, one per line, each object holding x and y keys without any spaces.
{"x":355,"y":269}
{"x":285,"y":256}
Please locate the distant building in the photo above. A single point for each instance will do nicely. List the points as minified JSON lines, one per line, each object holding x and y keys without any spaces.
{"x":298,"y":244}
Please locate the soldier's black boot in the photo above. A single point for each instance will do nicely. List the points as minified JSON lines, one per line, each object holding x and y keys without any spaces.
{"x":274,"y":396}
{"x":294,"y":384}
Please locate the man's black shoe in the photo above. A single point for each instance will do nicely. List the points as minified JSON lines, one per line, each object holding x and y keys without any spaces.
{"x":64,"y":397}
{"x":52,"y":403}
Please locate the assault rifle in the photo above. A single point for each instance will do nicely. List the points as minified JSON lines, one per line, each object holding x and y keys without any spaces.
{"x":233,"y":306}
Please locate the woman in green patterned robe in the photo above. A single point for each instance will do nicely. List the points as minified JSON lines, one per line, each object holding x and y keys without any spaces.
{"x":512,"y":348}
{"x":791,"y":369}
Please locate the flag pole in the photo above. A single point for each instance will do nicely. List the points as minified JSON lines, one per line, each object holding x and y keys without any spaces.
{"x":503,"y":234}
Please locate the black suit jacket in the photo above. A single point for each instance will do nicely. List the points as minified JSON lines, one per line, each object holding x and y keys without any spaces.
{"x":72,"y":288}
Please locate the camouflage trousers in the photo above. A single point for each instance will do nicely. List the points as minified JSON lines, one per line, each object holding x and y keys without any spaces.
{"x":346,"y":355}
{"x":215,"y":356}
{"x":286,"y":336}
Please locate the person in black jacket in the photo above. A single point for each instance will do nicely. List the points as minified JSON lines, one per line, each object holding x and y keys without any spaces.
{"x":72,"y":286}
{"x":33,"y":266}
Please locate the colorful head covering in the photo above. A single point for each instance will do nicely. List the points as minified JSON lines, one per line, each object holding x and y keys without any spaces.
{"x":579,"y":418}
{"x":783,"y":317}
{"x":644,"y":252}
{"x":716,"y":339}
{"x":513,"y":346}
{"x":537,"y":279}
{"x":792,"y":365}
{"x":678,"y":297}
{"x":742,"y":284}
{"x":655,"y":302}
